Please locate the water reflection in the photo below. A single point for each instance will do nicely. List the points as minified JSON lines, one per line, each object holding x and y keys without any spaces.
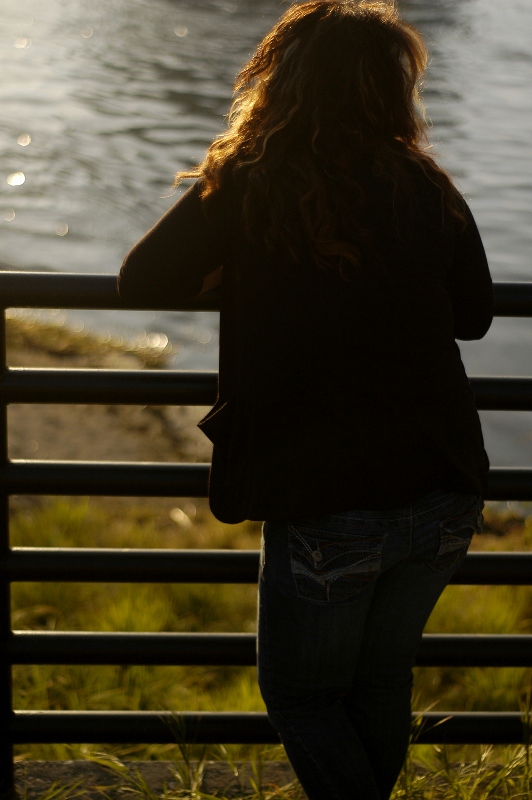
{"x":16,"y":179}
{"x":431,"y":17}
{"x":22,"y":42}
{"x":114,"y":115}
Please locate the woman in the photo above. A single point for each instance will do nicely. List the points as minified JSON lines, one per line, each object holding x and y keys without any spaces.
{"x":344,"y":416}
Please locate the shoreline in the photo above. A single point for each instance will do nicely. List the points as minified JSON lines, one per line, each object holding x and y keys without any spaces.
{"x":95,"y":432}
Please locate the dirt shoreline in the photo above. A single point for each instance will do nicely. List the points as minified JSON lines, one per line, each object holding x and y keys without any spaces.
{"x":94,"y":781}
{"x":101,"y":432}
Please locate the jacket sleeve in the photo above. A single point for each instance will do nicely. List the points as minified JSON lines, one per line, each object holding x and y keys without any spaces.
{"x":169,"y":264}
{"x":470,"y":284}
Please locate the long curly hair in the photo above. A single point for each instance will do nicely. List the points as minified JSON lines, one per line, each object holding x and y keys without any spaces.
{"x":330,"y":96}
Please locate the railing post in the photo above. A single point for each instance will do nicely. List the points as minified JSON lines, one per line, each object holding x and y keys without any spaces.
{"x":6,"y":707}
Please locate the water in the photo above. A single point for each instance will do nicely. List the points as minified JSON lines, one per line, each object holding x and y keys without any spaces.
{"x":117,"y":95}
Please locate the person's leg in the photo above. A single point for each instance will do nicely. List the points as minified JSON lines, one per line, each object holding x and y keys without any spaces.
{"x":379,"y":702}
{"x":315,"y":592}
{"x":302,"y":685}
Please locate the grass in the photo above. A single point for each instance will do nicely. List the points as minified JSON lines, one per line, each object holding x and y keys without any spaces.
{"x":489,"y":774}
{"x":25,"y":329}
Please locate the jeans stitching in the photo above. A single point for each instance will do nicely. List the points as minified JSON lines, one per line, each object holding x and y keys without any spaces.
{"x":332,"y":575}
{"x":303,"y":542}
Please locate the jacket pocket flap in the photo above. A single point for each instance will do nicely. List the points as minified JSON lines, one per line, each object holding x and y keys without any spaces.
{"x":217,"y":424}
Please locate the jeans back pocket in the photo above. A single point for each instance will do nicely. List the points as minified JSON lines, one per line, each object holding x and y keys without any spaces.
{"x":333,"y":566}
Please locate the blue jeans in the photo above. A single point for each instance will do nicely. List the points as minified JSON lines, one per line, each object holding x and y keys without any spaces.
{"x":343,"y":601}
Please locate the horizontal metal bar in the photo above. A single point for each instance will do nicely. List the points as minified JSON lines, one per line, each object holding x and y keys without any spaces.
{"x":474,"y":650}
{"x":175,"y":387}
{"x":509,"y":483}
{"x":496,"y":568}
{"x":108,"y":478}
{"x":105,"y":565}
{"x":239,"y":649}
{"x":115,"y":727}
{"x":152,"y":727}
{"x":75,"y":290}
{"x":58,"y":647}
{"x":513,"y":299}
{"x":105,"y":478}
{"x":125,"y":386}
{"x":502,"y":394}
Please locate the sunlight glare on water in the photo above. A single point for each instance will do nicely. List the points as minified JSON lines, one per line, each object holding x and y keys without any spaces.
{"x":16,"y":179}
{"x":21,"y":42}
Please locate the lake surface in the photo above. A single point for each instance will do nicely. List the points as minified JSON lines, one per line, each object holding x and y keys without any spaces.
{"x":103,"y":102}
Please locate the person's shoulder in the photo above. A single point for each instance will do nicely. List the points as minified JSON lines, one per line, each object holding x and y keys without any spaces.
{"x":221,"y":204}
{"x":422,"y":175}
{"x":439,"y":196}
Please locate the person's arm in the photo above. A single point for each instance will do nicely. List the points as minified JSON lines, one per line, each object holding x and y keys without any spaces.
{"x":175,"y":260}
{"x":470,"y":284}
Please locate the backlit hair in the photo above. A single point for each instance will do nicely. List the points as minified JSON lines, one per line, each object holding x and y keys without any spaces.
{"x":332,"y":88}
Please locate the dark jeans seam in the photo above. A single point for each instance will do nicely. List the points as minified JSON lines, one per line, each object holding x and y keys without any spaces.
{"x":297,"y":738}
{"x":264,"y":644}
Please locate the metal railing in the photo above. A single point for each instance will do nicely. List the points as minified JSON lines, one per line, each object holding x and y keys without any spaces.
{"x":24,"y":385}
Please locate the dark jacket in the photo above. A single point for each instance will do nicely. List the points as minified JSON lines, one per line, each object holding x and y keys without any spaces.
{"x":333,"y":395}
